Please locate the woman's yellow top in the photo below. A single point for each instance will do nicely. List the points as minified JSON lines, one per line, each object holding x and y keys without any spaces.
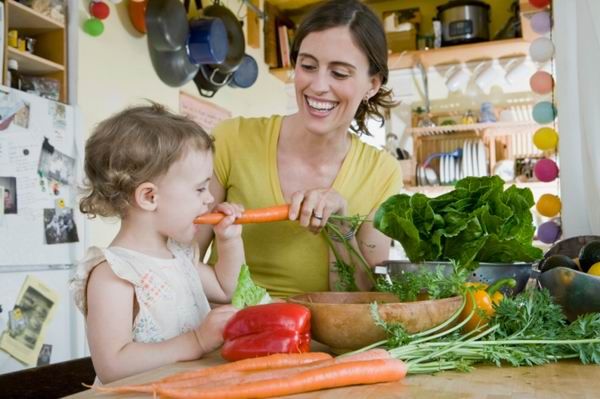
{"x":284,"y":257}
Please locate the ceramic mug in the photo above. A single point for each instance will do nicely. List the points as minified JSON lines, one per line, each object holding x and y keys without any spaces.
{"x":458,"y":78}
{"x":485,"y":75}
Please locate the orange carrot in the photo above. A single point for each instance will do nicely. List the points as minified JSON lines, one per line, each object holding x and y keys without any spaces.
{"x":262,"y":215}
{"x":287,"y":361}
{"x":258,"y":363}
{"x":336,"y":375}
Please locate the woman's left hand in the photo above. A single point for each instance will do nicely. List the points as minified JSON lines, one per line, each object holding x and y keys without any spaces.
{"x":312,"y":208}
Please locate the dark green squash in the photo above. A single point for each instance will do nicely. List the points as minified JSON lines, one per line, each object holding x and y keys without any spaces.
{"x":557,"y":261}
{"x":589,"y":254}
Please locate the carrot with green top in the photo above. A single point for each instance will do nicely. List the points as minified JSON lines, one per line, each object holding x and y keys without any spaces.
{"x":276,"y":213}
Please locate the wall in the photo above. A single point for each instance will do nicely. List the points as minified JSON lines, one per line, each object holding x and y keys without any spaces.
{"x":114,"y":71}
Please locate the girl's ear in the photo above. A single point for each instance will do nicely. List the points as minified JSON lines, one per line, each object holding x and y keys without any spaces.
{"x":145,"y":196}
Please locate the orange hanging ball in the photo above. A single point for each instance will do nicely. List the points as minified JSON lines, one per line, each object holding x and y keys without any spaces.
{"x":548,"y":205}
{"x":541,"y":82}
{"x":99,"y":10}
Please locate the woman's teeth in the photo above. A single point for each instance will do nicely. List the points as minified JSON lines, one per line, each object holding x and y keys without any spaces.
{"x":321,"y":105}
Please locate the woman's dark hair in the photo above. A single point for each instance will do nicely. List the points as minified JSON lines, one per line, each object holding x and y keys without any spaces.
{"x":368,"y":34}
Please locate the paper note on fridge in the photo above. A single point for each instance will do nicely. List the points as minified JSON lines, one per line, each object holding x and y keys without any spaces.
{"x":33,"y":311}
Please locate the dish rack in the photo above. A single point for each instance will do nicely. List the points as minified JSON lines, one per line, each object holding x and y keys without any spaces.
{"x":500,"y":141}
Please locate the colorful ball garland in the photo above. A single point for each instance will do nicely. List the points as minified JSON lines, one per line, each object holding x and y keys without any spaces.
{"x":544,"y":112}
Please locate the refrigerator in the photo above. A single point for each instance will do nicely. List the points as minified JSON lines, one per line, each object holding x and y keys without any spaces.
{"x":41,"y":232}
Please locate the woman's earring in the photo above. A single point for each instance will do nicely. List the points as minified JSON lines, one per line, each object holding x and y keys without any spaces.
{"x":365,"y":99}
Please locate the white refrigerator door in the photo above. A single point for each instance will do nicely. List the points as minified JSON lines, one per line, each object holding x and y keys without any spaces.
{"x":65,"y":331}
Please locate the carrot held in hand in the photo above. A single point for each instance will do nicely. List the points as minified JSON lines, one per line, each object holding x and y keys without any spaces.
{"x":276,"y":213}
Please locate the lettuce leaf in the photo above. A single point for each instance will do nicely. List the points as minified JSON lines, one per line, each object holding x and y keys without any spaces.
{"x":247,"y":293}
{"x":478,"y":221}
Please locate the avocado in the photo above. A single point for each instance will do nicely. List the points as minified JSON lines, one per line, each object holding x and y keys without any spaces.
{"x":557,"y":261}
{"x":589,"y":254}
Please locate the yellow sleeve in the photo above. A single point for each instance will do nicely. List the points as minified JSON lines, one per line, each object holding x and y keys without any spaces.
{"x":225,"y":134}
{"x":393,"y":184}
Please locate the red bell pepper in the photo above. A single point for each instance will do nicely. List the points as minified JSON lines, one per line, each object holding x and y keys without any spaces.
{"x":266,"y":329}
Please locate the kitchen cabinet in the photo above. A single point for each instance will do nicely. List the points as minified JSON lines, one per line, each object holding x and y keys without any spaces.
{"x":49,"y":56}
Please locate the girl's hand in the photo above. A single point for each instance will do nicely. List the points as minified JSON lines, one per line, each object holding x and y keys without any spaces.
{"x":210,"y":332}
{"x":226,"y":230}
{"x":314,"y":207}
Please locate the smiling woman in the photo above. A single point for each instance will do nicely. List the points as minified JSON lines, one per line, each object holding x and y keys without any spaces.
{"x":313,"y":159}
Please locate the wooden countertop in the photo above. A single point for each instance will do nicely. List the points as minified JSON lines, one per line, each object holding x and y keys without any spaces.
{"x":566,"y":379}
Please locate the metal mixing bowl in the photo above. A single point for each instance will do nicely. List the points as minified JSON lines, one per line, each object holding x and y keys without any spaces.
{"x":486,"y":272}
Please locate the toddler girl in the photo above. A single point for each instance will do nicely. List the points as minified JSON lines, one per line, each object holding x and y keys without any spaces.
{"x":145,"y":296}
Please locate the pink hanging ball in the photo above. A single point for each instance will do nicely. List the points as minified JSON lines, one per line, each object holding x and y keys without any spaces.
{"x":539,"y":3}
{"x":541,"y":82}
{"x":549,"y":232}
{"x":541,"y":22}
{"x":545,"y":170}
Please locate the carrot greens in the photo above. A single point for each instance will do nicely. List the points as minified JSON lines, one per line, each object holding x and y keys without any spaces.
{"x":528,"y":329}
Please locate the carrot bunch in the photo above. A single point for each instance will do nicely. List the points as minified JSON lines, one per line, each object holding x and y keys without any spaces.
{"x":274,"y":375}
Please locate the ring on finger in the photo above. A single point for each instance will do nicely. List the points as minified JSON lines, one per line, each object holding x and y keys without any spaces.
{"x":317,"y":217}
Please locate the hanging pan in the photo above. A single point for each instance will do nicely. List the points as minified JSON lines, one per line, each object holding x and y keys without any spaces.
{"x":235,"y":37}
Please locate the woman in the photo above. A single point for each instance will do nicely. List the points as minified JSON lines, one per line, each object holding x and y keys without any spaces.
{"x":310,"y":159}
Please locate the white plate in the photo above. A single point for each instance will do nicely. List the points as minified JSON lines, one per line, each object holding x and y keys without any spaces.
{"x":443,"y":169}
{"x":474,"y":162}
{"x":469,"y":156}
{"x":456,"y":169}
{"x":452,"y":176}
{"x":481,"y":158}
{"x":463,"y":161}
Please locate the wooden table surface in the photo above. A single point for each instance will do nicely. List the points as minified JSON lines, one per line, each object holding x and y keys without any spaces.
{"x":566,"y":379}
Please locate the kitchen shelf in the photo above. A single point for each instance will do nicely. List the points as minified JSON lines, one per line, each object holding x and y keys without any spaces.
{"x":49,"y":57}
{"x":477,"y":127}
{"x":443,"y":56}
{"x":23,"y":17}
{"x":32,"y":64}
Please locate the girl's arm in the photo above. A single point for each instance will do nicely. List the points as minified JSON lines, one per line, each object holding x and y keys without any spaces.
{"x":219,"y":281}
{"x":109,"y":329}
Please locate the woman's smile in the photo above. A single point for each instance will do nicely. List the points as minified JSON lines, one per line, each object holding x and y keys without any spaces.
{"x":320,"y":108}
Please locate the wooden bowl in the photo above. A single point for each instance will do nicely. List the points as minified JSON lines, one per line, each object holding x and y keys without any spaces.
{"x":342,"y":320}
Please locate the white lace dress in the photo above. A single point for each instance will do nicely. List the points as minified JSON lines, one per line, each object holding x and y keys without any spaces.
{"x":169,"y":291}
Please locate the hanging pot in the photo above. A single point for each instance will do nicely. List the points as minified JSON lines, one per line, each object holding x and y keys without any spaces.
{"x":167,"y":25}
{"x":173,"y":67}
{"x":207,"y":42}
{"x":246,"y":74}
{"x":235,"y":37}
{"x":209,"y":80}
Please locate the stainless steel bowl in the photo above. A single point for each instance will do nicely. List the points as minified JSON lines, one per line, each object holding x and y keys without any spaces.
{"x":486,"y":272}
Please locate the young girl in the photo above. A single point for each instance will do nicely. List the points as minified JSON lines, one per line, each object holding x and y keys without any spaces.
{"x":145,"y":296}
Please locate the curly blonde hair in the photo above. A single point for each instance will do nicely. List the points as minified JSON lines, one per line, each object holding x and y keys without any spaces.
{"x":134,"y":146}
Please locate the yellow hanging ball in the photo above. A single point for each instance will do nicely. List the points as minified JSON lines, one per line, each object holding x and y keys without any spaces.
{"x":595,"y":269}
{"x":548,"y":205}
{"x":545,"y":138}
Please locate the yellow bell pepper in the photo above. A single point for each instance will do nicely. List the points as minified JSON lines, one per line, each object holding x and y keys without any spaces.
{"x":482,"y":298}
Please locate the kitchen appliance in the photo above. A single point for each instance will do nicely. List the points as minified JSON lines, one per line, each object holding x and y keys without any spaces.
{"x":464,"y":21}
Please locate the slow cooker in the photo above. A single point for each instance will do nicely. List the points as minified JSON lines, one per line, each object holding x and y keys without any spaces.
{"x":464,"y":21}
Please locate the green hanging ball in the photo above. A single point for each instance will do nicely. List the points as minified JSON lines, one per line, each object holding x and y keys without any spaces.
{"x":93,"y":27}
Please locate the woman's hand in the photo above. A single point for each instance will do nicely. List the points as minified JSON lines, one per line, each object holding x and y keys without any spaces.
{"x":312,"y":208}
{"x":226,"y":230}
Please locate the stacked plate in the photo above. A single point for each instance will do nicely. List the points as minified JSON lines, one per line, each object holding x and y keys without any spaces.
{"x":474,"y":159}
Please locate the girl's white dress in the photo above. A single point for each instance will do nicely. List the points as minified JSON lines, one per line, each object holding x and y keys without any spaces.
{"x":169,"y":291}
